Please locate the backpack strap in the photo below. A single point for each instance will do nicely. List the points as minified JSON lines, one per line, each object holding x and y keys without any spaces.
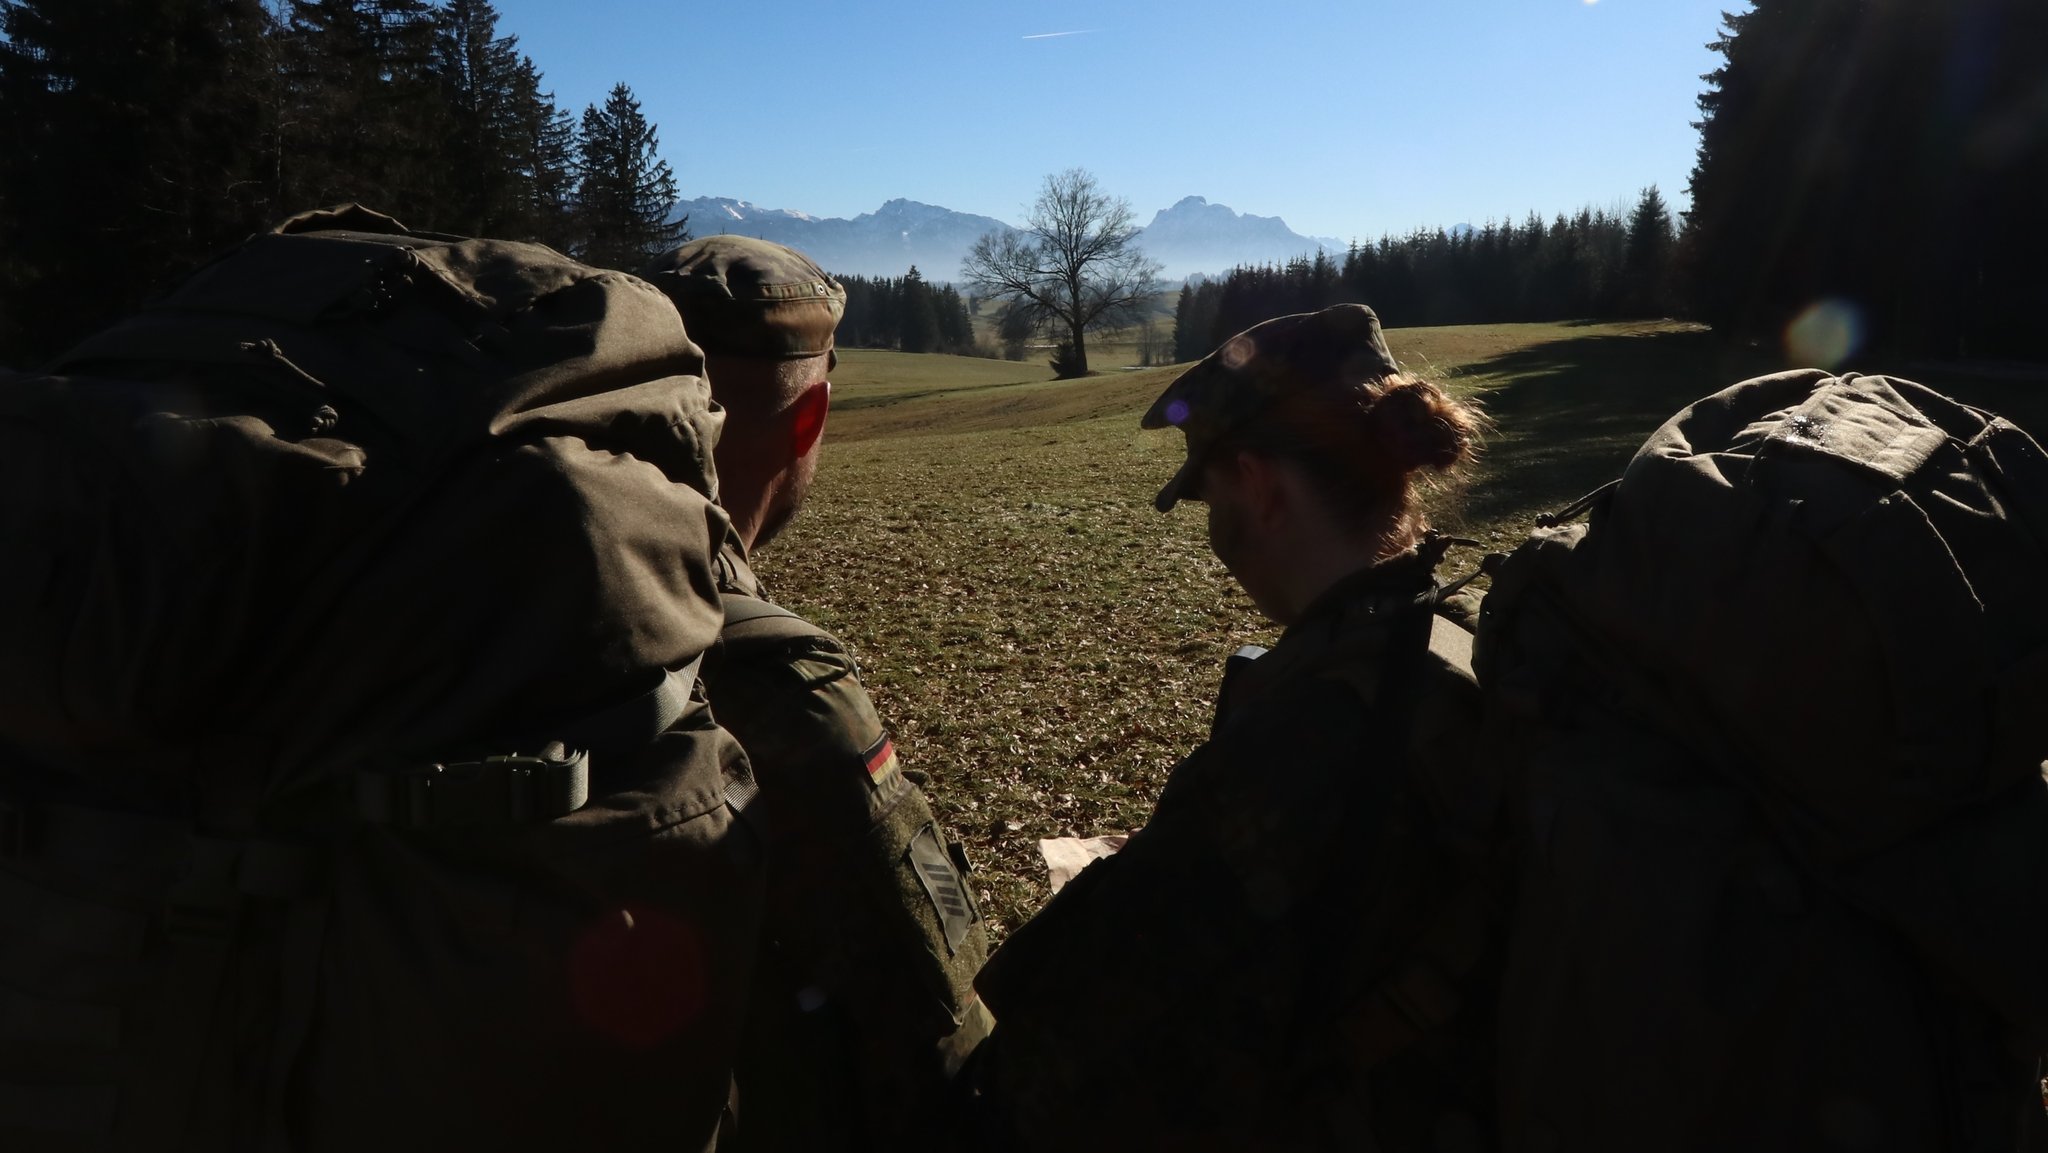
{"x":751,"y":621}
{"x":1423,"y":992}
{"x":518,"y":788}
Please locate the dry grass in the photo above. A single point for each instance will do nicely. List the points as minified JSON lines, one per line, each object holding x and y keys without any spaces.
{"x":1044,"y":644}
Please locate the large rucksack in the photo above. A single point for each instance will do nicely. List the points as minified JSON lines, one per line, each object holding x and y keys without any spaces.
{"x":353,"y":789}
{"x":1773,"y":724}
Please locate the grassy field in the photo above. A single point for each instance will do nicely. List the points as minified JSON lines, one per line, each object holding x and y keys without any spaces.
{"x":1046,"y":646}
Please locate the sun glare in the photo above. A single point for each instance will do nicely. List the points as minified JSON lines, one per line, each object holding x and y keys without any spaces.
{"x":1826,"y":334}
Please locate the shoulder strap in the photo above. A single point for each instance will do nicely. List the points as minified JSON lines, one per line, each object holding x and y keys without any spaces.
{"x":752,"y":621}
{"x":550,"y":781}
{"x":1424,"y":991}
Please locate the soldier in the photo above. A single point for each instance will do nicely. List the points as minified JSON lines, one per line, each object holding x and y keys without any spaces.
{"x":1286,"y":956}
{"x":863,"y":1002}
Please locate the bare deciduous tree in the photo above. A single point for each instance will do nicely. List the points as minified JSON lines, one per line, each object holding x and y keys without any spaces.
{"x":1074,"y":266}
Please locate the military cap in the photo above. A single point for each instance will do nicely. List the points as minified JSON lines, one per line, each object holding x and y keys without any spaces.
{"x":1336,"y":348}
{"x":751,"y":297}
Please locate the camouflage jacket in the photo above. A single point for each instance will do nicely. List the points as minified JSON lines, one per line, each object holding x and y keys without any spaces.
{"x":1284,"y":957}
{"x":862,"y":1000}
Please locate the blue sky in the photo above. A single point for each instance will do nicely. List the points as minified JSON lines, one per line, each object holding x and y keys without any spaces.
{"x":1348,"y":119}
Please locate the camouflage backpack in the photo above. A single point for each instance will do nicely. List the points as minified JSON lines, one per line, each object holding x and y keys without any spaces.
{"x":353,"y":788}
{"x":1774,"y":733}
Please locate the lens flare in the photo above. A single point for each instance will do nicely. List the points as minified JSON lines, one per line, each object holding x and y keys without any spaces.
{"x":1235,"y":353}
{"x":1829,"y":332}
{"x":1176,"y":412}
{"x":639,"y":977}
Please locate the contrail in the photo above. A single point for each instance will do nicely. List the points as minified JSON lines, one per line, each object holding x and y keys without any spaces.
{"x":1050,"y":35}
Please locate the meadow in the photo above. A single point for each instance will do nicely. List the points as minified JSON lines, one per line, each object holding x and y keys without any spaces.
{"x":1045,"y":645}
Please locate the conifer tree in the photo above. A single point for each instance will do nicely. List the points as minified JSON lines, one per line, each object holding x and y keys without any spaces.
{"x":122,"y":164}
{"x":366,"y":116}
{"x":1896,"y":179}
{"x":490,"y":91}
{"x":546,"y":155}
{"x":1646,"y":268}
{"x":919,"y":325}
{"x":625,"y":191}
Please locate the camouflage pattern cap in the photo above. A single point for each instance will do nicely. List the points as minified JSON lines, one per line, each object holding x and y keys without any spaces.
{"x":1337,"y":347}
{"x":751,"y":297}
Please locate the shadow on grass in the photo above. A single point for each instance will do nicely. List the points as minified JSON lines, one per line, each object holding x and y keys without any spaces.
{"x":1569,"y":414}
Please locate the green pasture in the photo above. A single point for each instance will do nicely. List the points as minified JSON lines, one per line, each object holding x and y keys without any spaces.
{"x":1045,"y":645}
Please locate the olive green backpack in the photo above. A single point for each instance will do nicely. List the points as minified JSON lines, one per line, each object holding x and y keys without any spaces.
{"x":354,"y":791}
{"x":1773,"y":725}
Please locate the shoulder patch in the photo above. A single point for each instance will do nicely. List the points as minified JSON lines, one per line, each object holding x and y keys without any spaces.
{"x":948,"y":893}
{"x":886,"y":781}
{"x":880,"y":756}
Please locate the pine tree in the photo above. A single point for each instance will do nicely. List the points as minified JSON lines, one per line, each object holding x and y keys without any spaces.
{"x":122,"y":163}
{"x":546,"y":155}
{"x":625,"y":191}
{"x":1646,"y":268}
{"x":919,"y":326}
{"x":366,"y":115}
{"x":956,"y":331}
{"x":490,"y":91}
{"x":1874,"y":180}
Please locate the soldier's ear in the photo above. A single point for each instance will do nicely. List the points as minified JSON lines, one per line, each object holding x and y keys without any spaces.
{"x":807,"y":418}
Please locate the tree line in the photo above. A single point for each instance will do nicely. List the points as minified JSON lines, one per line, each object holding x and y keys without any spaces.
{"x":1888,"y":154}
{"x":906,"y":313}
{"x":1594,"y":264}
{"x":1882,"y":159}
{"x":138,"y":137}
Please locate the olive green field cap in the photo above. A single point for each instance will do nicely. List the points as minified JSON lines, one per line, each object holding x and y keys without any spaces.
{"x":1335,"y":348}
{"x":749,"y":297}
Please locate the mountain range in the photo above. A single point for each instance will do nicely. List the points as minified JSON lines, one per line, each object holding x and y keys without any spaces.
{"x":1193,"y":236}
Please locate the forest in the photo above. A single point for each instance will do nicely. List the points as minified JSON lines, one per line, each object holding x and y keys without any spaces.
{"x":138,"y":137}
{"x":1879,"y":159}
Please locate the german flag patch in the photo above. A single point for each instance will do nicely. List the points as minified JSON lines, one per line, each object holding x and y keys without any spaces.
{"x":884,"y":774}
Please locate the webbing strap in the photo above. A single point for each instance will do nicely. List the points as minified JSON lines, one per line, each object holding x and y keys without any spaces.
{"x":1422,"y":994}
{"x":638,"y":719}
{"x":305,"y":934}
{"x":525,"y":788}
{"x":751,"y":620}
{"x":1895,"y":557}
{"x":203,"y":917}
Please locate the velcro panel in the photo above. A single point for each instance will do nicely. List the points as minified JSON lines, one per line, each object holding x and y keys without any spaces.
{"x":947,"y":891}
{"x":1861,"y":420}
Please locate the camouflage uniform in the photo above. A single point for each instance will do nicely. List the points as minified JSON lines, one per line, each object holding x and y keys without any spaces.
{"x":1200,"y":989}
{"x":1275,"y":960}
{"x":863,"y":1000}
{"x":863,"y":1003}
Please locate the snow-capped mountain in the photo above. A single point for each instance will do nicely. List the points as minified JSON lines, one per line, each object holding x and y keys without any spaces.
{"x":885,"y":242}
{"x":1193,"y":236}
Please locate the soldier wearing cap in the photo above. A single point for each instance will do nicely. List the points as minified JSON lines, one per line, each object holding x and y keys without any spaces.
{"x":1286,"y":957}
{"x":863,"y":1004}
